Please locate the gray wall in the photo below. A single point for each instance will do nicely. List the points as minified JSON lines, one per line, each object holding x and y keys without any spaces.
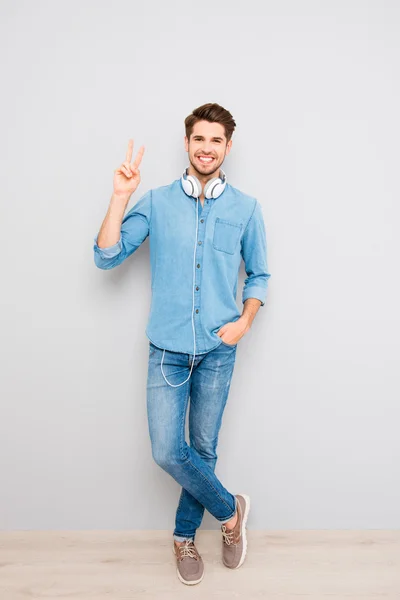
{"x":310,"y":430}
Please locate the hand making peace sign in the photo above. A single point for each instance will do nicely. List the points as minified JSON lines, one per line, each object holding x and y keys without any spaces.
{"x":127,"y":176}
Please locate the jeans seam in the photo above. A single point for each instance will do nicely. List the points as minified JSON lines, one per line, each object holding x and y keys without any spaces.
{"x":180,"y":500}
{"x":206,"y":480}
{"x":182,"y":440}
{"x":226,"y":519}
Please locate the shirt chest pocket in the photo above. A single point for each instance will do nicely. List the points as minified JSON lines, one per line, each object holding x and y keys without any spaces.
{"x":226,"y":235}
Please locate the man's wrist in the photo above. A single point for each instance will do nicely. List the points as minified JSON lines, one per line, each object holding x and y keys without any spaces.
{"x":250,"y":308}
{"x":246,"y":321}
{"x":120,"y":199}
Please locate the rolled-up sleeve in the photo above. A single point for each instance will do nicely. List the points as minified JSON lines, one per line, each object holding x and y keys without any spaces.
{"x":135,"y":228}
{"x":254,"y":254}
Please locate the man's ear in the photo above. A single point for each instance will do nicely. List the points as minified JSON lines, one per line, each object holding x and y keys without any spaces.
{"x":186,"y":143}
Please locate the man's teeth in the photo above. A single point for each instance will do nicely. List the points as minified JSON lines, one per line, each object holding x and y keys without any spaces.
{"x":205,"y":159}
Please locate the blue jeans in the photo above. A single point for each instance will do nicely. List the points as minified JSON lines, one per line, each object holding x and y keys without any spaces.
{"x":191,"y":466}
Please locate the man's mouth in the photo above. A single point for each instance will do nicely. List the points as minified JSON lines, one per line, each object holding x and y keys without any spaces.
{"x":206,"y":160}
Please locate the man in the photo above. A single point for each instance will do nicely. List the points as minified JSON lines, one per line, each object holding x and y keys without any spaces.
{"x":199,"y":228}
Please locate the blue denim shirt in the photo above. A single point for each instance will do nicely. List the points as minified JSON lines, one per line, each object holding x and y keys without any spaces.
{"x":230,"y":227}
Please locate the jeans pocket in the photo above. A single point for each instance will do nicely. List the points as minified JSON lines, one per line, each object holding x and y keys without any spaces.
{"x":228,"y":345}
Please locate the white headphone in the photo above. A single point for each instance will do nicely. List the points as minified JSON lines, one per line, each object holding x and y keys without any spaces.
{"x":213,"y":188}
{"x":192,"y":187}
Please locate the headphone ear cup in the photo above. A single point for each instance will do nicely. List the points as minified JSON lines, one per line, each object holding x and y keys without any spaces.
{"x":209,"y":187}
{"x":218,"y":189}
{"x":214,"y":187}
{"x":196,"y":185}
{"x":187,"y":187}
{"x":191,"y":185}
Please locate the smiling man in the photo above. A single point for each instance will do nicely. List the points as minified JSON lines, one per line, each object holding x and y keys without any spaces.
{"x":200,"y":228}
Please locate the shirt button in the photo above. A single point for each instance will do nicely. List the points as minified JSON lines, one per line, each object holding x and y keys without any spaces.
{"x":197,"y":310}
{"x":201,"y":220}
{"x":199,"y":243}
{"x":197,"y":287}
{"x":198,"y":265}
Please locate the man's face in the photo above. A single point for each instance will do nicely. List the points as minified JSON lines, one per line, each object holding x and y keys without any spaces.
{"x":207,"y":141}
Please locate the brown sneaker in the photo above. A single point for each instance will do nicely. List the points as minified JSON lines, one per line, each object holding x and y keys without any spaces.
{"x":190,"y":567}
{"x":234,"y":542}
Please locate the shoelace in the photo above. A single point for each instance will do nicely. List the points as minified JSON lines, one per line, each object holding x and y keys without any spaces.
{"x":188,"y":549}
{"x":227,"y":535}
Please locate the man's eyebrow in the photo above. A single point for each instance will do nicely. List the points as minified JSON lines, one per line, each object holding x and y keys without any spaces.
{"x":214,"y":138}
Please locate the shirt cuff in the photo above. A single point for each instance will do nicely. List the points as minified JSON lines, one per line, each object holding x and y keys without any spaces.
{"x":110,"y":251}
{"x":255,"y":292}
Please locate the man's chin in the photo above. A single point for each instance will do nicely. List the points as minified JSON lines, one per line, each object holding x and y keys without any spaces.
{"x":206,"y":169}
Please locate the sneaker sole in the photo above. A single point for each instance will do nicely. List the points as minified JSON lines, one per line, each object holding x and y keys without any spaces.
{"x":185,"y":581}
{"x":244,"y":538}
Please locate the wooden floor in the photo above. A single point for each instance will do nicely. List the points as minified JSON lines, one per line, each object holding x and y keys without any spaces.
{"x":120,"y":565}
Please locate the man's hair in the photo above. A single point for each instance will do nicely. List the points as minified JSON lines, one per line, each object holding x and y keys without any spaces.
{"x":214,"y":113}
